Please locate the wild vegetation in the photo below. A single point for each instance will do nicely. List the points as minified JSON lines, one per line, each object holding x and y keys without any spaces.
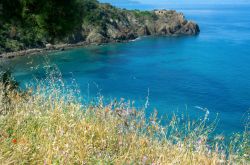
{"x":48,"y":124}
{"x":33,"y":23}
{"x":26,"y":24}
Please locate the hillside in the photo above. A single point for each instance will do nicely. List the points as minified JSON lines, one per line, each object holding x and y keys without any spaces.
{"x":50,"y":125}
{"x":36,"y":24}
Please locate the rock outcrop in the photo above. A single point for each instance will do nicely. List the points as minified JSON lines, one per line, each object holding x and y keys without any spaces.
{"x":129,"y":25}
{"x":102,"y":24}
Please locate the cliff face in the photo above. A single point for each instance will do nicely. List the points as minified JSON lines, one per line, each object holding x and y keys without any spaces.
{"x":127,"y":25}
{"x":101,"y":23}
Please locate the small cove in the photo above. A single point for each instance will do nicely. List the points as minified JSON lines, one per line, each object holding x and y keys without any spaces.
{"x":178,"y":73}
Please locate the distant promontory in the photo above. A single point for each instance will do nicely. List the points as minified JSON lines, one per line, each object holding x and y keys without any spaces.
{"x":35,"y":27}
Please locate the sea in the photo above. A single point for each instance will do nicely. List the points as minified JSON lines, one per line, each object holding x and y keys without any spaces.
{"x":209,"y":72}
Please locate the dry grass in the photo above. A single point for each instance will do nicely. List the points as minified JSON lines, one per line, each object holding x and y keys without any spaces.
{"x":47,"y":125}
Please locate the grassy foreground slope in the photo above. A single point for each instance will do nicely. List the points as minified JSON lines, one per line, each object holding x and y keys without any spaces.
{"x":48,"y":125}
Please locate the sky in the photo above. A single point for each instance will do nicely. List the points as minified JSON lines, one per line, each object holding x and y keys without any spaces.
{"x":170,"y":4}
{"x":162,"y":2}
{"x":190,"y":1}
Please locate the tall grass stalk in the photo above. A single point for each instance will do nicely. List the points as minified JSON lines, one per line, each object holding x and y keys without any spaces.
{"x":47,"y":124}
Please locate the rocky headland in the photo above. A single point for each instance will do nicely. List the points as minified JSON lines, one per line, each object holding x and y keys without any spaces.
{"x":105,"y":24}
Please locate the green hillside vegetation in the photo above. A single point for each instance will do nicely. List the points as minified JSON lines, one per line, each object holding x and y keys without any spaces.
{"x":33,"y":23}
{"x":26,"y":24}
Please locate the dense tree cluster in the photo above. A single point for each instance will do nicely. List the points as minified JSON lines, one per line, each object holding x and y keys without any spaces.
{"x":26,"y":24}
{"x":33,"y":22}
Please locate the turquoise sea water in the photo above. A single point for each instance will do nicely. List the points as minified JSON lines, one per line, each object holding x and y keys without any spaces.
{"x":211,"y":70}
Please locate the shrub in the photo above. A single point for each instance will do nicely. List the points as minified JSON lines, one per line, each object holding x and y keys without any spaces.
{"x":51,"y":126}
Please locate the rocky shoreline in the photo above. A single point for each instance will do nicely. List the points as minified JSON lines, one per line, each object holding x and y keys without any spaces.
{"x":48,"y":49}
{"x":126,"y":26}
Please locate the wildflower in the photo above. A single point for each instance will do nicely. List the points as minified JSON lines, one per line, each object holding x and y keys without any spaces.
{"x":144,"y":160}
{"x":120,"y":140}
{"x":219,"y":137}
{"x":14,"y":141}
{"x":106,"y":110}
{"x":221,"y":161}
{"x":144,"y":143}
{"x":246,"y":155}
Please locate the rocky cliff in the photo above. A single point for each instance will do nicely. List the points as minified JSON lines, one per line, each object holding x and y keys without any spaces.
{"x":120,"y":25}
{"x":101,"y":23}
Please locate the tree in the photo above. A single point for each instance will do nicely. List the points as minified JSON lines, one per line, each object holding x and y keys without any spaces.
{"x":10,"y":11}
{"x":56,"y":17}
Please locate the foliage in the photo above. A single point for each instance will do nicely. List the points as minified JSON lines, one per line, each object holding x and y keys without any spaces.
{"x":52,"y":126}
{"x":141,"y":15}
{"x":33,"y":22}
{"x":56,"y":17}
{"x":28,"y":24}
{"x":8,"y":81}
{"x":9,"y":86}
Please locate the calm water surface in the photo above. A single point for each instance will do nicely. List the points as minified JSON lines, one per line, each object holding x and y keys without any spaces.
{"x":211,"y":70}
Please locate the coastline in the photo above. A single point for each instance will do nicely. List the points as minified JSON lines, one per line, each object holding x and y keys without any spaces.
{"x":48,"y":49}
{"x":66,"y":46}
{"x":57,"y":47}
{"x":134,"y":25}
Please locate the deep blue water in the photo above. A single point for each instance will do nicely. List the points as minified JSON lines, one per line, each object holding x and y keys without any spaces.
{"x":211,"y":70}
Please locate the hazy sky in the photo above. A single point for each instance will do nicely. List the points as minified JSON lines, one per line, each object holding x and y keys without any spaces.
{"x":190,"y":1}
{"x":170,"y":4}
{"x":160,"y":2}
